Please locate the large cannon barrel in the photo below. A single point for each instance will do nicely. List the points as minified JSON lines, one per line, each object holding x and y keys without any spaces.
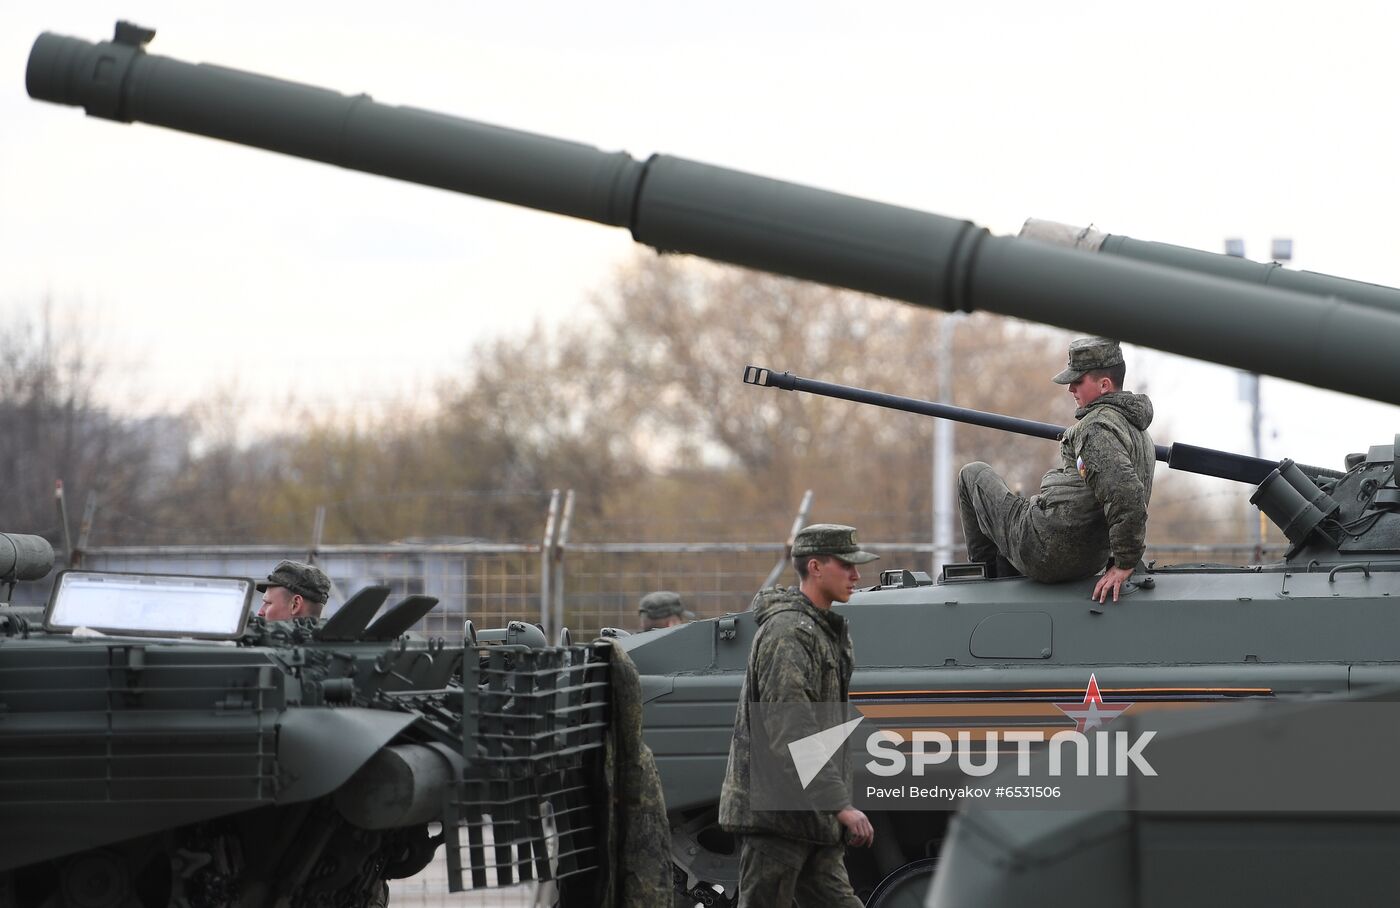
{"x":679,"y":205}
{"x":24,"y":557}
{"x":1214,"y":264}
{"x":400,"y":785}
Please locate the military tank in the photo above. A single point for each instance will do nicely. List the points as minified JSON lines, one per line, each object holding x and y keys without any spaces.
{"x":960,"y":651}
{"x":164,"y":749}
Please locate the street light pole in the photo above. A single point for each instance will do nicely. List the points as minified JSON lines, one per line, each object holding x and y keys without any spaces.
{"x":944,"y":495}
{"x":1281,"y":251}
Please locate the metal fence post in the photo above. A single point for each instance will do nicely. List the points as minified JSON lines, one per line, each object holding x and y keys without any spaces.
{"x":802,"y":511}
{"x":62,"y":505}
{"x":557,"y":620}
{"x":547,"y":559}
{"x":85,"y":528}
{"x":318,"y":526}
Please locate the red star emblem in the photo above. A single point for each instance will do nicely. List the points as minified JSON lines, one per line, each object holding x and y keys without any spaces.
{"x":1093,"y":712}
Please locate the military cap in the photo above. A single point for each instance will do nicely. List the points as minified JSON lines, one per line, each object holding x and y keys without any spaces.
{"x":1086,"y":354}
{"x":663,"y":604}
{"x":830,"y":539}
{"x":302,"y":579}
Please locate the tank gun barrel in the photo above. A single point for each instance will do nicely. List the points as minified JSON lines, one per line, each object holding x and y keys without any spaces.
{"x":1229,"y":267}
{"x":1178,"y":456}
{"x":24,"y":557}
{"x":678,"y":205}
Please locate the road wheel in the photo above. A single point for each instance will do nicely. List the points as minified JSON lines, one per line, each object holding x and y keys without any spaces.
{"x":906,"y":887}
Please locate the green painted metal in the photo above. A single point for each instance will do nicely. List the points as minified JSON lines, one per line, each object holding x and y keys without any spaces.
{"x":172,"y":772}
{"x":679,"y":205}
{"x":1323,"y":621}
{"x":1189,"y":458}
{"x":1386,"y":299}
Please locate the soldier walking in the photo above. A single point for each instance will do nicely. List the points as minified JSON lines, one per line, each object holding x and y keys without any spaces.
{"x":802,"y":654}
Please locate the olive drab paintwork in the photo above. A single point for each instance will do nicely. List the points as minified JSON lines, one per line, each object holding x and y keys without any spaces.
{"x":958,"y":648}
{"x":1213,"y":264}
{"x":24,"y":557}
{"x":301,"y":762}
{"x":677,"y":205}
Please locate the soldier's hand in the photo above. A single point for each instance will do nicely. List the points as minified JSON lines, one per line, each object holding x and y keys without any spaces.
{"x":858,"y":827}
{"x":1112,"y":579}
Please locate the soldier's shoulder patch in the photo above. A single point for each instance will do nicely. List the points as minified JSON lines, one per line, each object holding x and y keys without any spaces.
{"x":1080,"y":466}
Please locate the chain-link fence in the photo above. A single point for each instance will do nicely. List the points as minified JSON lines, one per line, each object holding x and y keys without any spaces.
{"x":583,"y":586}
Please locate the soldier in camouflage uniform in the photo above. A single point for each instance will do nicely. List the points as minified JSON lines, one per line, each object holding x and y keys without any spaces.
{"x":801,"y":654}
{"x":294,"y":590}
{"x":662,"y":608}
{"x":1090,"y":509}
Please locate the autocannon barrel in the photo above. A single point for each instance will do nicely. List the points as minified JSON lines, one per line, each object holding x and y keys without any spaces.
{"x":1178,"y":456}
{"x":679,"y":205}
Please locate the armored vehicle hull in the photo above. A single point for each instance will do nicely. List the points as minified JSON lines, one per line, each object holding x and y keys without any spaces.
{"x":1004,"y":655}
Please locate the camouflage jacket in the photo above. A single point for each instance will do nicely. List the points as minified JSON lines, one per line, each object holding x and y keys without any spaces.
{"x":1099,"y":494}
{"x":638,"y":839}
{"x":801,"y":654}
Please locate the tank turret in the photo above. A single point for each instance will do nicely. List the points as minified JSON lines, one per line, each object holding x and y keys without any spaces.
{"x":677,"y":205}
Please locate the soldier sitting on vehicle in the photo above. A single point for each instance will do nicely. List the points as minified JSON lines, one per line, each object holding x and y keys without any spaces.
{"x":1093,"y":506}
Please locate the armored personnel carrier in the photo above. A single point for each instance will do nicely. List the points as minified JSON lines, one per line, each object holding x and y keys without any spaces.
{"x":964,"y":651}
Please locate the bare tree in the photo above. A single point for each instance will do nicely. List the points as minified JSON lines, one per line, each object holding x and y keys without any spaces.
{"x":640,"y":410}
{"x":56,"y":428}
{"x":682,"y":332}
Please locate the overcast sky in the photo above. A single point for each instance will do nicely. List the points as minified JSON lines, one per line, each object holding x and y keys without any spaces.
{"x":208,"y":265}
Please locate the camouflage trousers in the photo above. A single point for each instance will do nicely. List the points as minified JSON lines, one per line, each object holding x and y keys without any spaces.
{"x":775,"y":872}
{"x":997,"y":521}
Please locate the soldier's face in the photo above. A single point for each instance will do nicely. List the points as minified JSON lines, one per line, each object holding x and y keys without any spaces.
{"x":278,"y":604}
{"x":1088,"y":389}
{"x":836,"y":579}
